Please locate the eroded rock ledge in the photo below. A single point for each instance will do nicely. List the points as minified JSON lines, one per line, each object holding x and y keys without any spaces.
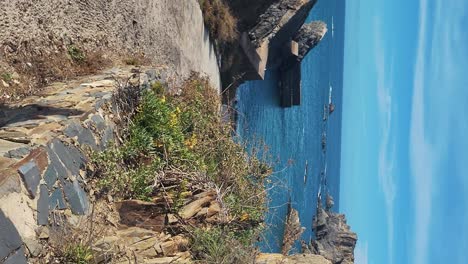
{"x":278,"y":41}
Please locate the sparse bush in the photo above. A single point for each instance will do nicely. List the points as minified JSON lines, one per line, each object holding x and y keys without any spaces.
{"x":76,"y":54}
{"x":220,"y":246}
{"x":136,"y":60}
{"x":221,"y":24}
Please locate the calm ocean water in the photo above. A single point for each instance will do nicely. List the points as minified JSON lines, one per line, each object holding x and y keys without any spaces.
{"x":294,"y":135}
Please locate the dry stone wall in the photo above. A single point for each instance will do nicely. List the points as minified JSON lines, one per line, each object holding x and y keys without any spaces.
{"x":44,"y":145}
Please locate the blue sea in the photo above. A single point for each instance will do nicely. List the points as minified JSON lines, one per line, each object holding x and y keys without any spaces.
{"x":294,"y":135}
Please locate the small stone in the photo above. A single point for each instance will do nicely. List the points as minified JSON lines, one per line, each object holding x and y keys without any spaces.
{"x":172,"y":219}
{"x":31,"y":177}
{"x":43,"y":206}
{"x":33,"y":246}
{"x":43,"y":233}
{"x":194,"y":207}
{"x":106,"y":243}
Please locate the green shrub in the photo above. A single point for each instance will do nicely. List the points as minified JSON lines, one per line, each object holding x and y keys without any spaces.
{"x":76,"y":54}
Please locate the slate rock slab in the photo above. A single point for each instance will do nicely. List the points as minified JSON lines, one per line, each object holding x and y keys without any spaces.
{"x":83,"y":135}
{"x":43,"y":206}
{"x":70,"y":157}
{"x":56,"y":200}
{"x":31,"y":176}
{"x":17,"y":258}
{"x":18,"y":153}
{"x":10,"y":239}
{"x":76,"y":197}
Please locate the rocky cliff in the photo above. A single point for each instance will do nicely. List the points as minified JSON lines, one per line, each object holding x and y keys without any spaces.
{"x":334,"y":239}
{"x":278,"y":40}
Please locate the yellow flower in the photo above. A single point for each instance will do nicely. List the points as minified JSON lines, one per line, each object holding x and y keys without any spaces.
{"x":163,"y":99}
{"x":174,"y":120}
{"x":191,"y":142}
{"x":245,"y":217}
{"x":177,"y":110}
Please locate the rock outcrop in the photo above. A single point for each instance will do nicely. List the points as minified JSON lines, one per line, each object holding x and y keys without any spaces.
{"x":280,"y":20}
{"x":309,"y":36}
{"x":334,"y":239}
{"x":278,"y":41}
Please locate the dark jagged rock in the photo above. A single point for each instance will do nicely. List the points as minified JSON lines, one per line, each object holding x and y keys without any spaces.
{"x":284,"y":17}
{"x":333,"y":238}
{"x":309,"y":36}
{"x":279,"y":41}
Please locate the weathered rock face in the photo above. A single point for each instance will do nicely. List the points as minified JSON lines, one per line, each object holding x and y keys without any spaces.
{"x":279,"y":40}
{"x":309,"y":36}
{"x":284,"y":16}
{"x":334,"y":239}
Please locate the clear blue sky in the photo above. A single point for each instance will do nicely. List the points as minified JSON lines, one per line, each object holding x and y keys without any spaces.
{"x":404,"y":173}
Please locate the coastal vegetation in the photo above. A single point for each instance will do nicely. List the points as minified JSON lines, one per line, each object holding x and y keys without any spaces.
{"x":181,"y":138}
{"x":218,"y":17}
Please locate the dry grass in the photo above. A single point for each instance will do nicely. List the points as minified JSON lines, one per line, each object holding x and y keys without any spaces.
{"x":221,"y":24}
{"x":34,"y":70}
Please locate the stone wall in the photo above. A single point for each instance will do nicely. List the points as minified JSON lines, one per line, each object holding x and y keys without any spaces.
{"x":167,"y":32}
{"x":45,"y":143}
